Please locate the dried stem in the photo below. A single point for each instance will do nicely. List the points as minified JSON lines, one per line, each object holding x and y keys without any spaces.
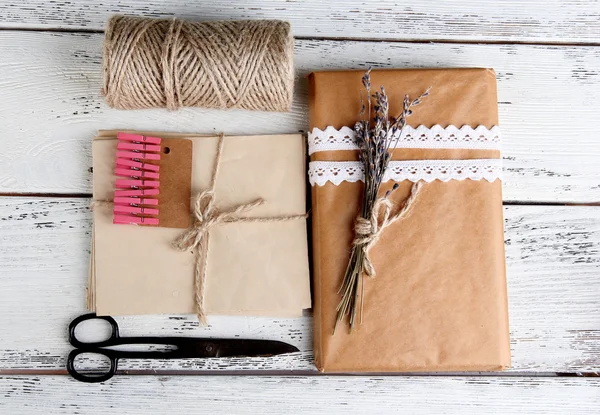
{"x":376,"y":141}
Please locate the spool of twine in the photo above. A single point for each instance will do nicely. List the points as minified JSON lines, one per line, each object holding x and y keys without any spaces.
{"x":171,"y":63}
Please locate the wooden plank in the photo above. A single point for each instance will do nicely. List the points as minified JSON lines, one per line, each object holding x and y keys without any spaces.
{"x":512,"y":21}
{"x":314,"y":395}
{"x":51,"y":106}
{"x":553,"y":263}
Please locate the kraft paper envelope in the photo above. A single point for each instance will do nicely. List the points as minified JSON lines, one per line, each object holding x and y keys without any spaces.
{"x":438,"y":302}
{"x":253,"y":268}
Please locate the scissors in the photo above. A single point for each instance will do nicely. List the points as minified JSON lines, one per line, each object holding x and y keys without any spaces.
{"x":179,"y":347}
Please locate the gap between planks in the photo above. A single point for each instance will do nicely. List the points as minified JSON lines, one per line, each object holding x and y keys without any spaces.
{"x":302,"y":372}
{"x":449,"y":41}
{"x":560,"y":21}
{"x":89,"y":196}
{"x":351,"y":39}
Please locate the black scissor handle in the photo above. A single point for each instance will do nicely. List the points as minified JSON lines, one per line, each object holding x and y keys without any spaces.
{"x":92,"y":377}
{"x":87,"y":345}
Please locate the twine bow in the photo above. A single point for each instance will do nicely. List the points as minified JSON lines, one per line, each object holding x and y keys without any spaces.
{"x":368,"y":231}
{"x":206,"y":216}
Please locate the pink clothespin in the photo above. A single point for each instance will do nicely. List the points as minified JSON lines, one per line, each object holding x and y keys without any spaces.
{"x":135,"y":201}
{"x":137,"y":155}
{"x":135,"y":209}
{"x":138,"y":147}
{"x":134,"y":220}
{"x":136,"y":192}
{"x":137,"y":165}
{"x":137,"y":138}
{"x":136,"y":183}
{"x":141,"y":174}
{"x":131,"y":204}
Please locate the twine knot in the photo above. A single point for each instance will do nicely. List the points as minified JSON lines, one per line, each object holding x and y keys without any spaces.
{"x":206,"y":216}
{"x":369,"y":230}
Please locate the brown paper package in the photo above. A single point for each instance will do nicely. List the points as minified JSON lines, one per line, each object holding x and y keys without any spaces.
{"x":438,"y":302}
{"x":254,"y":269}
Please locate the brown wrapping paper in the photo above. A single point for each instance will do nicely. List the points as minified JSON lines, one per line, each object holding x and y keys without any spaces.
{"x":439,"y":300}
{"x":253,"y":268}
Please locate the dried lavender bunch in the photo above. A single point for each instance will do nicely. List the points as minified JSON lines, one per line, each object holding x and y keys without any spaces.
{"x":375,"y":140}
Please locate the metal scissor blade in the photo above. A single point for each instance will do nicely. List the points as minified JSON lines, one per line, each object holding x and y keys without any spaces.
{"x":251,"y":348}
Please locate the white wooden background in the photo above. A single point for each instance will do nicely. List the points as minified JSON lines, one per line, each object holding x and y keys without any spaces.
{"x":547,"y":57}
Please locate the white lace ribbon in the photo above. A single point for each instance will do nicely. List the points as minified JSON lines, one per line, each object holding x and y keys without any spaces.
{"x":336,"y":172}
{"x":451,"y":137}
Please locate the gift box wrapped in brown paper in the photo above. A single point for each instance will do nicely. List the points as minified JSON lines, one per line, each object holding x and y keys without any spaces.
{"x":439,"y":301}
{"x":258,"y":268}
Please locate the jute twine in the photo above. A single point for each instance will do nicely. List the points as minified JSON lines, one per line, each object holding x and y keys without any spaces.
{"x":207,"y":216}
{"x":369,"y":230}
{"x":173,"y":63}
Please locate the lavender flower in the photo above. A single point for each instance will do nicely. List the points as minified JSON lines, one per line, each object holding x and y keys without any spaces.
{"x":376,"y":141}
